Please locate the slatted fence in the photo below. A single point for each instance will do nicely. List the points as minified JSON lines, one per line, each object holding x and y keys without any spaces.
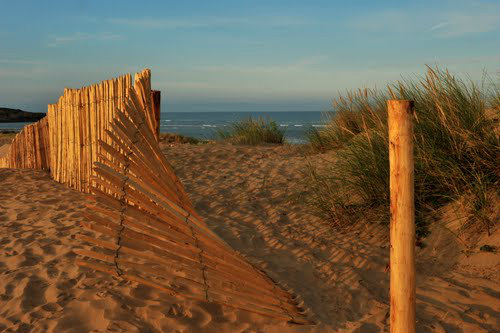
{"x":66,"y":140}
{"x":103,"y":140}
{"x":79,"y":120}
{"x":30,"y":148}
{"x":151,"y":234}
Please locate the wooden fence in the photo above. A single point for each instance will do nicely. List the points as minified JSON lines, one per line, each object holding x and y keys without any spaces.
{"x":104,"y":140}
{"x":150,"y":233}
{"x":79,"y":120}
{"x":30,"y":148}
{"x":66,"y":140}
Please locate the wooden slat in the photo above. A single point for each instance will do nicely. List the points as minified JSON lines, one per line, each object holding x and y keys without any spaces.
{"x":153,"y":147}
{"x":171,"y":292}
{"x":177,"y":249}
{"x":214,"y":288}
{"x":190,"y":262}
{"x":147,"y":223}
{"x":114,"y":177}
{"x":193,"y":271}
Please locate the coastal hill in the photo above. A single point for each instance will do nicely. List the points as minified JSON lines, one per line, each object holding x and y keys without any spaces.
{"x":15,"y":115}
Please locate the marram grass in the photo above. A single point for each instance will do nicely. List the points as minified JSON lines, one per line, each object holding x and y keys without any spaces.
{"x":456,"y":148}
{"x":252,"y":131}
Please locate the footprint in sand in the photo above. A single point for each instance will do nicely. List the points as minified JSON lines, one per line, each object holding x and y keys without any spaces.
{"x":30,"y":259}
{"x":51,"y":307}
{"x":199,"y":317}
{"x":34,"y":293}
{"x":50,"y":201}
{"x":141,"y":292}
{"x":7,"y":294}
{"x":59,"y":216}
{"x":5,"y":241}
{"x":63,"y":299}
{"x":21,"y":216}
{"x":66,"y":284}
{"x":52,"y":270}
{"x":3,"y":217}
{"x":22,"y":327}
{"x":48,"y":249}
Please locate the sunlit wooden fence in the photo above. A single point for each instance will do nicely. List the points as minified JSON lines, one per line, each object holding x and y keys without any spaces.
{"x":30,"y":148}
{"x":104,"y":140}
{"x":151,"y":234}
{"x":66,"y":140}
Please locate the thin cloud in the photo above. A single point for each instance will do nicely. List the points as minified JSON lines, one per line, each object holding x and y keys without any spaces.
{"x":459,"y":24}
{"x":465,"y":18}
{"x":439,"y":26}
{"x":206,"y":22}
{"x":23,"y":73}
{"x":81,"y":36}
{"x":298,"y":65}
{"x":20,"y":62}
{"x":382,"y":21}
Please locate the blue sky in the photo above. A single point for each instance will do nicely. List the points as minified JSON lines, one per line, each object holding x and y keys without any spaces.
{"x":239,"y":55}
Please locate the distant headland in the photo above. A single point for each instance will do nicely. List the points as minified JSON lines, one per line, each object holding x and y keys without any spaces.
{"x":15,"y":115}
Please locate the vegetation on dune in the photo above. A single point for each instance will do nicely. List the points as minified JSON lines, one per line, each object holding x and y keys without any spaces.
{"x":456,"y":149}
{"x":178,"y":138}
{"x":251,"y":131}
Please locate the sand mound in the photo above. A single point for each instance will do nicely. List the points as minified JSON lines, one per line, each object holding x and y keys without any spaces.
{"x":242,"y":193}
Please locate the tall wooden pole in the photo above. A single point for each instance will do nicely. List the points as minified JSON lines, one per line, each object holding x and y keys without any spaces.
{"x":400,"y":116}
{"x":156,"y":101}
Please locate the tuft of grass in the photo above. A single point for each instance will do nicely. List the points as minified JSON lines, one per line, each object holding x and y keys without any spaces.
{"x":251,"y":131}
{"x":487,"y":248}
{"x":178,"y":138}
{"x":456,"y":147}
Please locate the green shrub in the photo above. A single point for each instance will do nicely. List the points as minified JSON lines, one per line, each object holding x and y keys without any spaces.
{"x":456,"y":149}
{"x":252,"y":132}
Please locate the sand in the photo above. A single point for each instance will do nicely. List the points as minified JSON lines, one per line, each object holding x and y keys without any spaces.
{"x":242,"y":192}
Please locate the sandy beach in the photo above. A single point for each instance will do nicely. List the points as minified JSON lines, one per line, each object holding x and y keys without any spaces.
{"x":243,"y":194}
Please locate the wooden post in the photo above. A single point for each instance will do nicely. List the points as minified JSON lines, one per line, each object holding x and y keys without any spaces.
{"x":400,"y":114}
{"x":156,"y":101}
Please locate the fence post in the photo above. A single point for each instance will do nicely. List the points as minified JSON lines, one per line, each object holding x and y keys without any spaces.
{"x":156,"y":101}
{"x":402,"y":285}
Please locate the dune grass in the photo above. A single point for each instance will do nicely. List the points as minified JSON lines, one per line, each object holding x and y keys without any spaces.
{"x":250,"y":131}
{"x":457,"y":149}
{"x":179,"y":138}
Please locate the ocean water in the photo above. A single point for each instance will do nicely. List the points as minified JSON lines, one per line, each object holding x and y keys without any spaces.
{"x":202,"y":125}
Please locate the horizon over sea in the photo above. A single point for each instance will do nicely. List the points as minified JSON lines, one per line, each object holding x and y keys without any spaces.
{"x":203,"y":124}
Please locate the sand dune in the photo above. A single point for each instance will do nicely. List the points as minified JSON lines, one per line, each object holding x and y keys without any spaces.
{"x":242,"y":192}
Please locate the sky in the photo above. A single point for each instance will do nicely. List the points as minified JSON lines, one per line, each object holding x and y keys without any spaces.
{"x":240,"y":55}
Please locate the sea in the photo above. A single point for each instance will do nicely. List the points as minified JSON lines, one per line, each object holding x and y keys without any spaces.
{"x":203,"y":125}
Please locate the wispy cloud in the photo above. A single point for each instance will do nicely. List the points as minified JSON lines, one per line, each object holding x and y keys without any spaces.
{"x":81,"y":36}
{"x":20,"y":61}
{"x":382,"y":21}
{"x":439,"y":26}
{"x":21,"y":68}
{"x":22,"y":73}
{"x":300,"y":64}
{"x":205,"y":22}
{"x":456,"y":24}
{"x":462,"y":19}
